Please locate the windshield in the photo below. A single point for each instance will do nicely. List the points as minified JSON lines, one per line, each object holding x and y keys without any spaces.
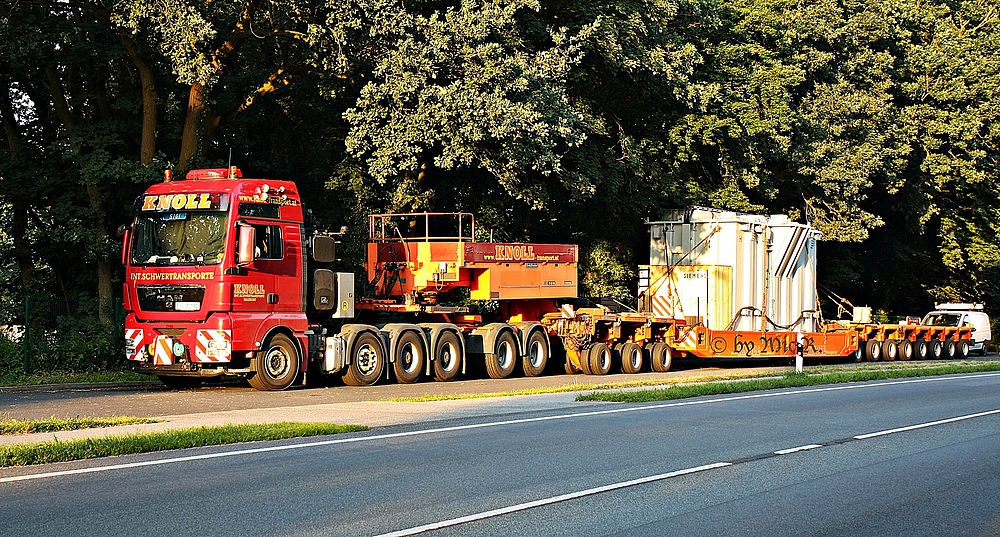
{"x":179,"y":238}
{"x":942,"y":319}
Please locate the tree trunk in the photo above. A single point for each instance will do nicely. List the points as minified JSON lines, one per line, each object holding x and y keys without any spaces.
{"x":19,"y":220}
{"x":192,"y":123}
{"x":149,"y":100}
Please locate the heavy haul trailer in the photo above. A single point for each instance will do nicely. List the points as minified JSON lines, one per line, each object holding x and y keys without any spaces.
{"x":722,"y":284}
{"x":730,"y":285}
{"x":223,"y":278}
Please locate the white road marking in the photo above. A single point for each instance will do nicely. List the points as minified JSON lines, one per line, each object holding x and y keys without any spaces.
{"x":221,"y":454}
{"x":928,"y":424}
{"x":550,"y":501}
{"x":797,"y":449}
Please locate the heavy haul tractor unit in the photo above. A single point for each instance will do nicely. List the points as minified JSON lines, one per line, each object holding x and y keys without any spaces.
{"x":223,"y":278}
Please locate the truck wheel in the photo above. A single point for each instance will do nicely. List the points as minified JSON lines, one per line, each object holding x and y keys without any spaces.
{"x":500,"y":363}
{"x":948,"y":349}
{"x":889,"y":350}
{"x":905,"y":350}
{"x":180,"y":383}
{"x":920,"y":349}
{"x":277,"y":367}
{"x":600,"y":359}
{"x":934,"y":350}
{"x":986,"y":348}
{"x":408,"y":358}
{"x":631,"y":358}
{"x":367,"y":362}
{"x":661,"y":356}
{"x":873,"y":350}
{"x":962,"y":349}
{"x":447,"y":357}
{"x":536,"y":356}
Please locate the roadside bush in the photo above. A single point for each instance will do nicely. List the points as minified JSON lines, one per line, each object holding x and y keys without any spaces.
{"x":71,"y":342}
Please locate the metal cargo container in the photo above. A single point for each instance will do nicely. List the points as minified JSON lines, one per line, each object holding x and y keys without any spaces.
{"x":730,"y":270}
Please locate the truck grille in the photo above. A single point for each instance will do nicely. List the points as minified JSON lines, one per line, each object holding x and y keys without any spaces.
{"x":170,"y":297}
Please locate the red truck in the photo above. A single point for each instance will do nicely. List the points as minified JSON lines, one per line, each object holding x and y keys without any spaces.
{"x":224,"y":277}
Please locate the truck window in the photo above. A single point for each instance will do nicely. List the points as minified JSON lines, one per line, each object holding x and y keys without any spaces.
{"x":942,"y":319}
{"x":179,"y":238}
{"x":267,"y":240}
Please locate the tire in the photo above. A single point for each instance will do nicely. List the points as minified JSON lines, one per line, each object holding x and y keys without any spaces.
{"x":408,"y":358}
{"x":985,"y":349}
{"x":661,"y":356}
{"x":599,"y":358}
{"x":949,"y":351}
{"x":568,"y":366}
{"x":920,"y":349}
{"x":585,"y":362}
{"x":905,"y":350}
{"x":367,"y":361}
{"x":962,"y":349}
{"x":890,"y":350}
{"x":873,"y":350}
{"x":632,"y":357}
{"x":277,"y":367}
{"x":180,"y":383}
{"x":934,"y":350}
{"x":447,"y":357}
{"x":500,"y":363}
{"x":536,"y":354}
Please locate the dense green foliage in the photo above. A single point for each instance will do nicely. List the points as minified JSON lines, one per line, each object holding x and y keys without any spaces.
{"x":552,"y":121}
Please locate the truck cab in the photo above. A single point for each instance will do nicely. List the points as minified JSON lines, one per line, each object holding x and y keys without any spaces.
{"x":964,"y":314}
{"x":198,"y":302}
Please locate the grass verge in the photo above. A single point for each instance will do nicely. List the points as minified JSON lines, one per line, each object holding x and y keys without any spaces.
{"x":788,"y":380}
{"x":89,"y":448}
{"x":13,"y":426}
{"x":71,"y":377}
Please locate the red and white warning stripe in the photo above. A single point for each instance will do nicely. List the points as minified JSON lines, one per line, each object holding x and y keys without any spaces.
{"x":213,"y":346}
{"x":163,"y":353}
{"x":133,"y":343}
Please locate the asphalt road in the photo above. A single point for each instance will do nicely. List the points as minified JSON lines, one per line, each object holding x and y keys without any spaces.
{"x":154,"y":400}
{"x":775,"y":463}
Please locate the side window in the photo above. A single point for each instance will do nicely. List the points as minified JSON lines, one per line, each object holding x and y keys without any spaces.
{"x":268,"y":243}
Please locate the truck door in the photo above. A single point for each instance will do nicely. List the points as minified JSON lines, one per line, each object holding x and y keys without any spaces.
{"x":278,"y":265}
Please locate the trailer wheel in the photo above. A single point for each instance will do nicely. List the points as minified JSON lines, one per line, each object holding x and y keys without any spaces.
{"x":600,"y":359}
{"x":631,"y":358}
{"x":920,"y":349}
{"x":949,"y":350}
{"x":277,"y":367}
{"x":873,"y":350}
{"x":367,"y":362}
{"x":934,"y":350}
{"x":500,"y":363}
{"x":408,"y":358}
{"x":962,"y":349}
{"x":889,"y":350}
{"x":661,"y":357}
{"x":905,"y":350}
{"x":536,"y":356}
{"x":447,"y":357}
{"x":180,"y":383}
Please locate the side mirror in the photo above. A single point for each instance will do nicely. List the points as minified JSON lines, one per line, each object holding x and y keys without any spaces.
{"x":245,"y":255}
{"x":324,"y":249}
{"x":125,"y":234}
